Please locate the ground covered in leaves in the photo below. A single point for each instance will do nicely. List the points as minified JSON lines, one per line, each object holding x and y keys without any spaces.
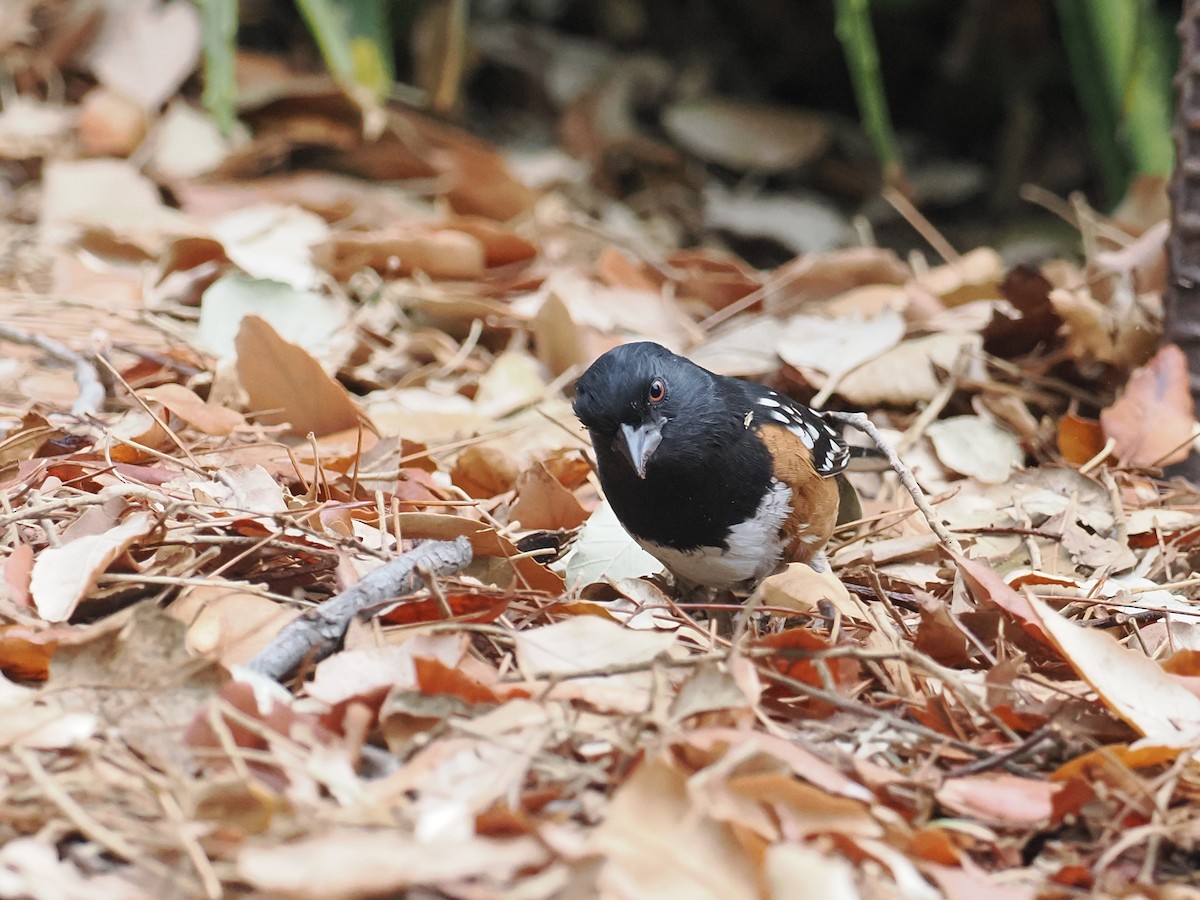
{"x":234,"y":385}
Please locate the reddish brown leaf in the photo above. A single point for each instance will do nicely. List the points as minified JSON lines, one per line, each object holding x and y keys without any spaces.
{"x":989,"y":588}
{"x":1079,"y":439}
{"x":1152,"y":421}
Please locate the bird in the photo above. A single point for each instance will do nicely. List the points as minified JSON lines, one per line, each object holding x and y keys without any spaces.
{"x":722,"y":480}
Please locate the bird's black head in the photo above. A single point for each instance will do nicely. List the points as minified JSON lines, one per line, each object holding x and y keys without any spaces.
{"x":629,"y":396}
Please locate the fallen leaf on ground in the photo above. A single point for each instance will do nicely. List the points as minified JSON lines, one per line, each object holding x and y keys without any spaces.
{"x":999,"y":799}
{"x":1153,"y":422}
{"x":286,"y":385}
{"x":62,"y":576}
{"x":976,"y":446}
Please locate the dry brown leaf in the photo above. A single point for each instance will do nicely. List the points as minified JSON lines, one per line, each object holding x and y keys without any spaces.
{"x":1132,"y":685}
{"x":109,"y":124}
{"x":559,"y":342}
{"x":656,"y":845}
{"x":909,"y":372}
{"x":543,"y":503}
{"x":988,"y":587}
{"x":110,"y":199}
{"x":403,"y":251}
{"x":708,"y":277}
{"x":484,"y":471}
{"x":229,"y":623}
{"x":1000,"y":799}
{"x":360,"y":862}
{"x":802,"y":588}
{"x":1079,"y":439}
{"x":817,"y":277}
{"x":204,"y":417}
{"x":799,"y":872}
{"x":105,"y":670}
{"x":976,"y":446}
{"x":1094,"y":332}
{"x":286,"y":384}
{"x":582,"y":643}
{"x":1153,"y":421}
{"x":62,"y":576}
{"x":491,"y":548}
{"x":973,"y":276}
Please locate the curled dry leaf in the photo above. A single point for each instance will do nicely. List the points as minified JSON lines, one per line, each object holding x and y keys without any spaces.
{"x":1153,"y":422}
{"x":62,"y":576}
{"x":230,"y":623}
{"x":1096,"y":332}
{"x":404,"y":251}
{"x":205,"y":418}
{"x":973,"y":276}
{"x":1000,"y":799}
{"x":800,"y":587}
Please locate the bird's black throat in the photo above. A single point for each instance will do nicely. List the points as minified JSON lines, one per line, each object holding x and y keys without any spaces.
{"x":705,"y":478}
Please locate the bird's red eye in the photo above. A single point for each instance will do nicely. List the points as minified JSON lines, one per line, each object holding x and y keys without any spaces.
{"x":658,"y":391}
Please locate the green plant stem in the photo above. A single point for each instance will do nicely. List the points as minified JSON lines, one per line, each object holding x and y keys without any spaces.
{"x":1121,"y":56}
{"x":219,"y":22}
{"x":862,"y":58}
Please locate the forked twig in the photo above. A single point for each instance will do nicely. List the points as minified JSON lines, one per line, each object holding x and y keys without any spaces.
{"x":907,"y":479}
{"x":317,"y":633}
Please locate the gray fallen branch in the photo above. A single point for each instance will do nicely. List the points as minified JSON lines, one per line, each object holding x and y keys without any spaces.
{"x":91,"y":389}
{"x":318,"y":631}
{"x":867,"y":427}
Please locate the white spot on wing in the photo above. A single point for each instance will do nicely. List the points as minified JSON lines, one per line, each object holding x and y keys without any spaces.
{"x":768,"y":402}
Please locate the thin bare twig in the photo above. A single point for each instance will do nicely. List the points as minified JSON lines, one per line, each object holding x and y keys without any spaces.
{"x":867,"y":427}
{"x":316,"y":633}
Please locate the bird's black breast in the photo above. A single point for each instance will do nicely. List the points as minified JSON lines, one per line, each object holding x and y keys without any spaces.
{"x":705,"y":478}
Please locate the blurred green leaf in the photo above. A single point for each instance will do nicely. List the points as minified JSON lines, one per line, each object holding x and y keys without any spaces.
{"x":355,"y":41}
{"x":220,"y":20}
{"x":855,"y":32}
{"x":1122,"y":55}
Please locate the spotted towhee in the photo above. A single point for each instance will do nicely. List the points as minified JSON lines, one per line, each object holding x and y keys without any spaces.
{"x":722,"y":480}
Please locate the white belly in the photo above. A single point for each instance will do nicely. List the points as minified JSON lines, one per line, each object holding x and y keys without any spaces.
{"x":755,"y":547}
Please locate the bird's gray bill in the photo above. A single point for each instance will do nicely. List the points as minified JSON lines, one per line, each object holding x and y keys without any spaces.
{"x":639,"y":442}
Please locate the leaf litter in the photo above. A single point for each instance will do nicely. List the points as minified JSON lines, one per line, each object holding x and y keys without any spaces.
{"x":302,"y":375}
